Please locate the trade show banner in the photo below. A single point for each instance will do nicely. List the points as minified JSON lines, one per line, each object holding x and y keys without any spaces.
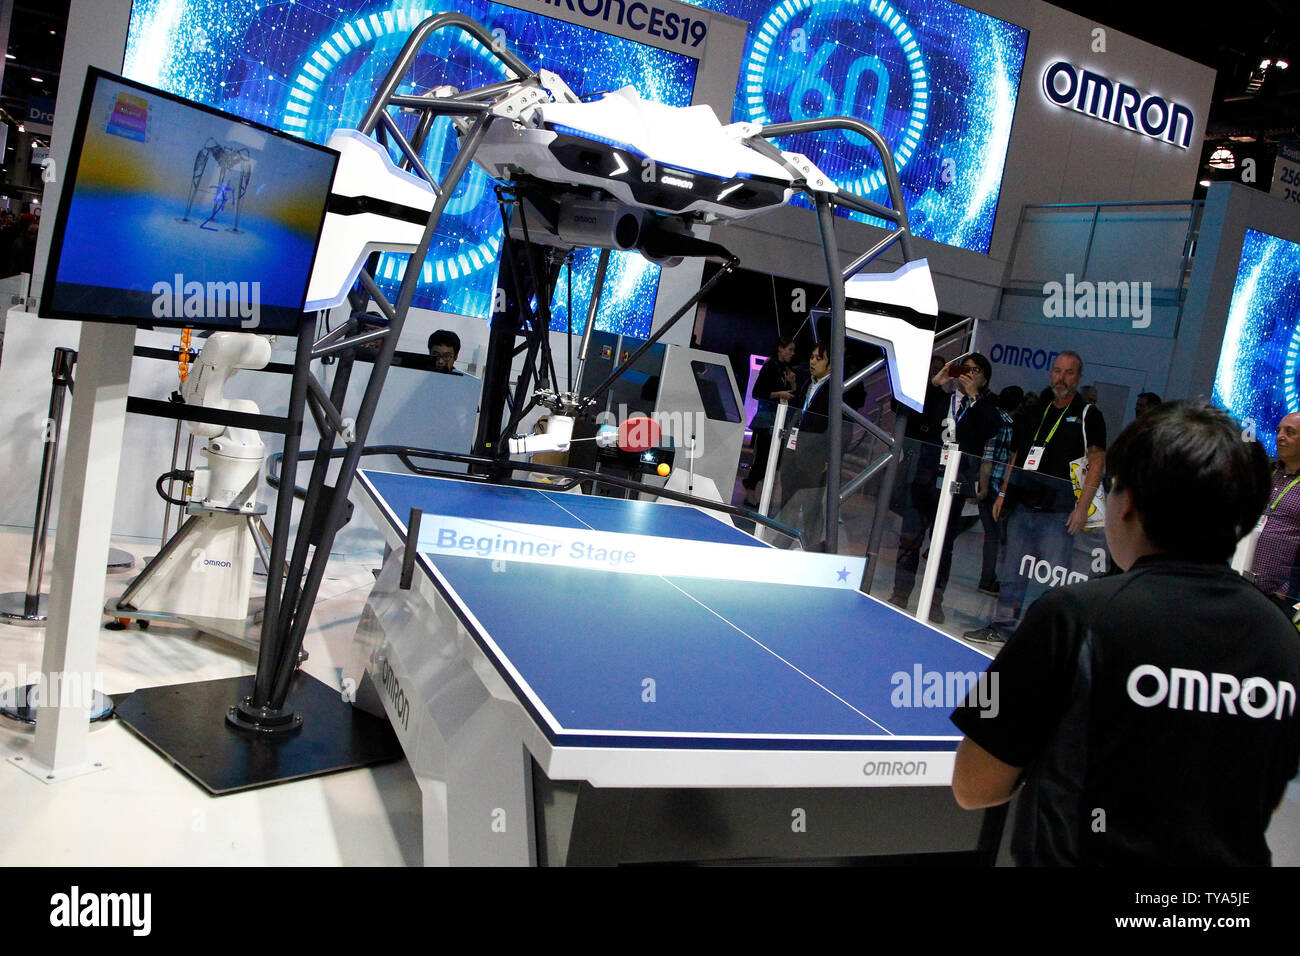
{"x":1286,"y":172}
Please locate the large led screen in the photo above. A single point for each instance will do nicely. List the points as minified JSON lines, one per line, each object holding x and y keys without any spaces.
{"x":938,"y":80}
{"x":311,"y":68}
{"x":1256,"y":381}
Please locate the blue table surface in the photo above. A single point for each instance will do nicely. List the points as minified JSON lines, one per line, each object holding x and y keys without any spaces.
{"x":643,"y":655}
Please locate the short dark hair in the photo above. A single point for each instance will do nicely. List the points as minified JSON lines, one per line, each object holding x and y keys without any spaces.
{"x":782,"y":341}
{"x":1009,"y":398}
{"x":1070,"y":353}
{"x":1150,"y":397}
{"x":444,"y":337}
{"x":984,"y":364}
{"x":1197,"y":483}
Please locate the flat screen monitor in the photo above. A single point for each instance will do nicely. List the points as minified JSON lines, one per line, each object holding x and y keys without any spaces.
{"x":177,"y":214}
{"x":716,"y":395}
{"x":1258,"y":377}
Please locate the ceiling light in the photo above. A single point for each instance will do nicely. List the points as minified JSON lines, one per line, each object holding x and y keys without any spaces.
{"x":1282,"y":64}
{"x":1222,"y":158}
{"x":1205,"y":182}
{"x":1265,"y":64}
{"x":37,"y":79}
{"x":10,"y":56}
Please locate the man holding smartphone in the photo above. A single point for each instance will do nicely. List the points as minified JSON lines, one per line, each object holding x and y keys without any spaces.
{"x":976,"y":424}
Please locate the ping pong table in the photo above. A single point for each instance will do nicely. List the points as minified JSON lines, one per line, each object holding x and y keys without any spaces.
{"x":580,"y":679}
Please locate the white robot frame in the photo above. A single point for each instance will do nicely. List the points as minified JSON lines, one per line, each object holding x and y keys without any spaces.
{"x":565,"y":165}
{"x":619,"y":172}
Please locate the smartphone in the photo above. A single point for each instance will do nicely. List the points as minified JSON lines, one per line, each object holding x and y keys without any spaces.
{"x":954,"y":369}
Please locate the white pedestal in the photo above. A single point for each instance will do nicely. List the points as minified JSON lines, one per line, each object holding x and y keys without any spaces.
{"x":88,"y":488}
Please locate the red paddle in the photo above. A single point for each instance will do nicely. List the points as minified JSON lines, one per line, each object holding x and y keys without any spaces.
{"x":638,"y":433}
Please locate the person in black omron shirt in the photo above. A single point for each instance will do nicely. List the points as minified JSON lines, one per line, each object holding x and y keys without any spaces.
{"x":1151,"y":716}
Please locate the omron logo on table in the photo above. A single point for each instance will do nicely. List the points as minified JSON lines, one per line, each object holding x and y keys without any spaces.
{"x":1105,"y":99}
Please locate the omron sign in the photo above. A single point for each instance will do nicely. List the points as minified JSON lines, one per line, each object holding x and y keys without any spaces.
{"x":1118,"y":103}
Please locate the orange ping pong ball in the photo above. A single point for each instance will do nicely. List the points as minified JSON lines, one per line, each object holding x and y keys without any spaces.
{"x":663,"y":469}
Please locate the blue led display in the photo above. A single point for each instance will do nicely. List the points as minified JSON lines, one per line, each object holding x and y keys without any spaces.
{"x":1256,"y":378}
{"x":938,"y":80}
{"x":311,"y":68}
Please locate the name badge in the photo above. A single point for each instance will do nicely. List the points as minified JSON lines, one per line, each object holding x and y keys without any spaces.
{"x":792,"y":440}
{"x":943,"y":463}
{"x":1034,"y":457}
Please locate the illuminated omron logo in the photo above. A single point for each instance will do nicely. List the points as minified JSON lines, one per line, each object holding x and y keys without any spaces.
{"x":1087,"y":92}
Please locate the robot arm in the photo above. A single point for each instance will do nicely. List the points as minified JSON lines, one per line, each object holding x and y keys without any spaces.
{"x":223,"y":354}
{"x":558,"y":435}
{"x":234,"y":454}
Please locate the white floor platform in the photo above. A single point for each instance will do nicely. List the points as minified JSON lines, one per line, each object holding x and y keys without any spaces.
{"x":140,"y":811}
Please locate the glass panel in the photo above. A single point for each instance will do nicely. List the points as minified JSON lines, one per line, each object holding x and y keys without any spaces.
{"x":1159,"y":231}
{"x":1051,"y":243}
{"x":987,"y":569}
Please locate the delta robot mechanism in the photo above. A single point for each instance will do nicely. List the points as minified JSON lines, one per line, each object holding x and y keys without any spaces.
{"x":619,"y":172}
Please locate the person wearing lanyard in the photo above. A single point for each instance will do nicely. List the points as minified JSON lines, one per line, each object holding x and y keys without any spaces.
{"x":1277,"y":553}
{"x":803,"y":459}
{"x":1045,"y":515}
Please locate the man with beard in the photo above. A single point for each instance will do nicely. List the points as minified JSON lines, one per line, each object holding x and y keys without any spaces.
{"x":1045,"y":516}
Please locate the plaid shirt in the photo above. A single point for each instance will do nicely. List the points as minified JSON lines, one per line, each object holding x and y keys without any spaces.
{"x":998,"y":451}
{"x":1277,"y":552}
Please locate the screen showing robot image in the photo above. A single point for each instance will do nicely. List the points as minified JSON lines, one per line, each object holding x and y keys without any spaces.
{"x":1258,"y":377}
{"x":177,"y":215}
{"x":312,"y":68}
{"x":938,"y":80}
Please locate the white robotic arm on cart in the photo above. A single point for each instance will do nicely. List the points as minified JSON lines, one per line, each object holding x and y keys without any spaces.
{"x":234,"y":454}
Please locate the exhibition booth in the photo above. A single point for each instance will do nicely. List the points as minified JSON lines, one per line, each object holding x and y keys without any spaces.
{"x":547,"y":659}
